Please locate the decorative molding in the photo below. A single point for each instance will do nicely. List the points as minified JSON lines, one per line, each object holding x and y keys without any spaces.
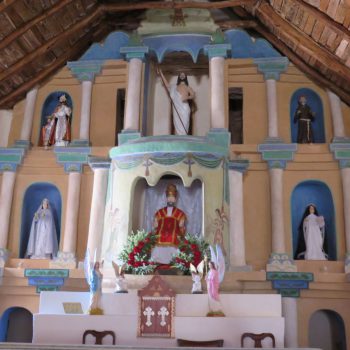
{"x":64,"y":260}
{"x":289,"y":284}
{"x":280,"y":262}
{"x":277,"y":154}
{"x":72,"y":158}
{"x":128,"y":135}
{"x":22,"y":144}
{"x":46,"y":279}
{"x":240,"y":165}
{"x":217,"y":50}
{"x":134,"y":52}
{"x":85,"y":70}
{"x":99,"y":162}
{"x":4,"y":255}
{"x":272,"y":67}
{"x":10,"y":158}
{"x":341,"y":152}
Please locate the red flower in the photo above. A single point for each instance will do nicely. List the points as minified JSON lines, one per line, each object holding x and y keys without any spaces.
{"x":137,"y":250}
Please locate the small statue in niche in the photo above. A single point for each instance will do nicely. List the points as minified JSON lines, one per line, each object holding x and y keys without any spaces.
{"x":214,"y":278}
{"x":197,"y":274}
{"x":57,"y":129}
{"x":180,"y":95}
{"x":304,"y":116}
{"x":94,"y":279}
{"x":120,"y":283}
{"x":169,"y":225}
{"x":311,"y":236}
{"x":42,"y":243}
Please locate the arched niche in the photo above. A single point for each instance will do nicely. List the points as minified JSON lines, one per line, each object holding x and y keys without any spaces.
{"x":148,"y":199}
{"x":33,"y":197}
{"x":327,"y":330}
{"x":16,"y":325}
{"x":49,"y":106}
{"x":318,"y":193}
{"x":315,"y":103}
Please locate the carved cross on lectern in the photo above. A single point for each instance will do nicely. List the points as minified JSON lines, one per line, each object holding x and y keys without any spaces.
{"x":157,"y":307}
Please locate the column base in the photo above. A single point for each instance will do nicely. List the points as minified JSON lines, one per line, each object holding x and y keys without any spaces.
{"x":269,"y":140}
{"x":64,"y":260}
{"x":281,"y":262}
{"x":80,"y":143}
{"x":23,"y":144}
{"x":4,"y":255}
{"x":344,"y":139}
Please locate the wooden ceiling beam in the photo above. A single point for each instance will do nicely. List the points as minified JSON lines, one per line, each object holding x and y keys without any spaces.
{"x":21,"y":30}
{"x":82,"y":44}
{"x":237,"y":24}
{"x":6,"y":3}
{"x":285,"y":32}
{"x":128,"y":6}
{"x":27,"y":59}
{"x":313,"y":74}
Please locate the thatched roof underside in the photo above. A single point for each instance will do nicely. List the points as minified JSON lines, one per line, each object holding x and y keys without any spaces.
{"x":38,"y":37}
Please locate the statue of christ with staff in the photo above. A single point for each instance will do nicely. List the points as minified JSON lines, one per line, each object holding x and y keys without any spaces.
{"x":180,"y":94}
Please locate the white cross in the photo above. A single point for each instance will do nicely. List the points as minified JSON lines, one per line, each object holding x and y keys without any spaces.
{"x":162,"y":313}
{"x":148,"y":313}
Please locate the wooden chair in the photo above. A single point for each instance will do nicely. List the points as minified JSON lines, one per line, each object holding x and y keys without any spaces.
{"x":258,"y":339}
{"x":217,"y":343}
{"x":98,"y":336}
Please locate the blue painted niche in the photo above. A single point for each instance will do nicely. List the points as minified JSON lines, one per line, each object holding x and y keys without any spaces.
{"x":7,"y":323}
{"x":50,"y":104}
{"x":33,"y":197}
{"x":318,"y":193}
{"x":315,"y":103}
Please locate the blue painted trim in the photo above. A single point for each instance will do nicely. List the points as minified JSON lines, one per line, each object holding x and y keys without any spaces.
{"x":85,"y":70}
{"x":10,"y":158}
{"x":240,"y":165}
{"x":278,"y":147}
{"x":134,"y":52}
{"x":272,"y":67}
{"x":99,"y":163}
{"x":160,"y":45}
{"x":217,"y":50}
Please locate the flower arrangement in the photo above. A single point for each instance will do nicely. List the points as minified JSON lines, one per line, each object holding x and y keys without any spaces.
{"x":137,"y":253}
{"x":192,"y":249}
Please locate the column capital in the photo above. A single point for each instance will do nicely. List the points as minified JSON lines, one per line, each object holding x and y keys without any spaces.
{"x":240,"y":165}
{"x":10,"y":158}
{"x":134,"y":52}
{"x":217,"y":50}
{"x":277,"y":154}
{"x":85,"y":70}
{"x":341,"y":152}
{"x":72,"y":158}
{"x":289,"y":284}
{"x":272,"y":67}
{"x":99,"y":162}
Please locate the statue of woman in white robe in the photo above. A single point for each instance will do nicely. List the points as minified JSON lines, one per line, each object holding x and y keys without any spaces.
{"x":312,"y":237}
{"x":42,"y":243}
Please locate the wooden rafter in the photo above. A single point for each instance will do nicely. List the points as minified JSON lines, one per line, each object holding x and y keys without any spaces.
{"x":127,"y":6}
{"x":21,"y":30}
{"x":299,"y":63}
{"x":297,"y":41}
{"x":19,"y":65}
{"x":6,"y":3}
{"x":77,"y":49}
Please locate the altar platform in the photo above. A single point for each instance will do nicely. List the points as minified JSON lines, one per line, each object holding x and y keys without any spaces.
{"x":244,"y":313}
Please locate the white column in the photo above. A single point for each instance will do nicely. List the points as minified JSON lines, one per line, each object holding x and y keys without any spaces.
{"x":86,"y":87}
{"x":290,"y":314}
{"x":272,"y":107}
{"x":28,"y":114}
{"x":337,"y":114}
{"x":72,"y":211}
{"x":97,"y":211}
{"x":217,"y":90}
{"x":276,"y":189}
{"x":237,"y":244}
{"x":345,"y":174}
{"x":133,"y":95}
{"x":6,"y":195}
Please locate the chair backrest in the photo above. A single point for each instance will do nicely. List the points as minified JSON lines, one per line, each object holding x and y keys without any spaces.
{"x":98,"y":336}
{"x":258,"y":339}
{"x":217,"y":343}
